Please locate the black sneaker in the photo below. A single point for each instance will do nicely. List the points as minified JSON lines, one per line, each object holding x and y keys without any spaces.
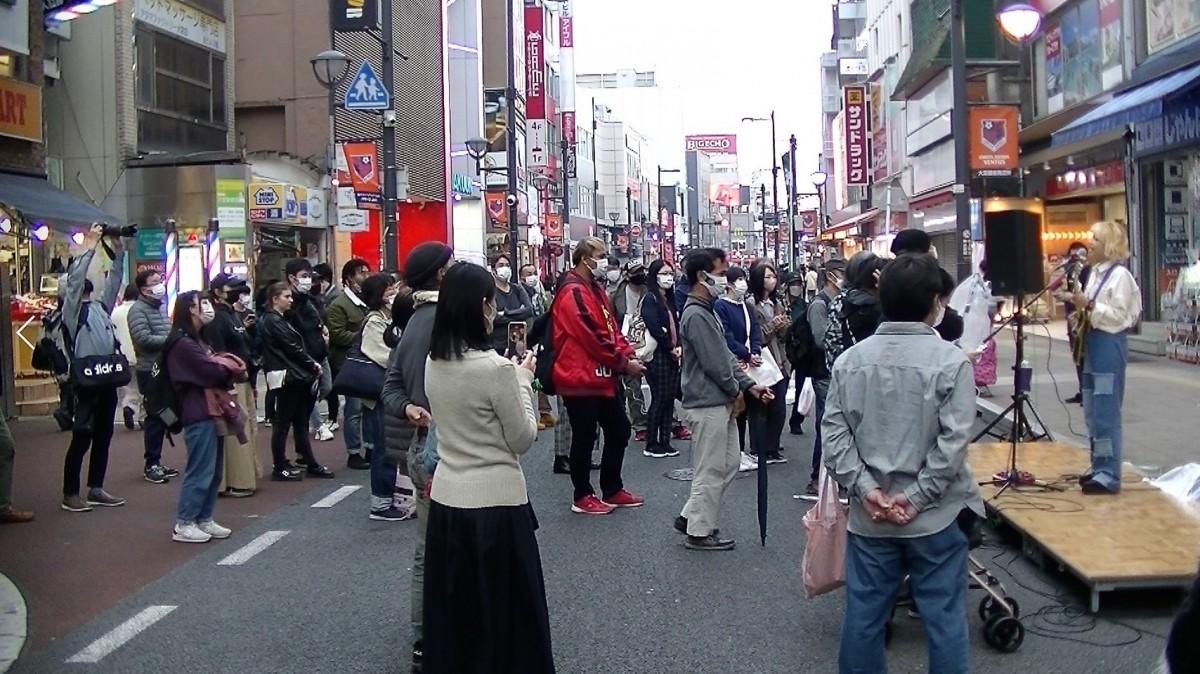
{"x":681,"y":526}
{"x":99,"y":497}
{"x":656,"y":452}
{"x":774,"y":458}
{"x":127,"y":412}
{"x":287,"y":474}
{"x":708,"y":543}
{"x":155,"y":475}
{"x":301,"y":461}
{"x":357,"y":462}
{"x":64,"y":419}
{"x":562,"y":465}
{"x":169,"y":471}
{"x":1076,"y":399}
{"x":392,"y":514}
{"x":418,"y":656}
{"x":320,"y":472}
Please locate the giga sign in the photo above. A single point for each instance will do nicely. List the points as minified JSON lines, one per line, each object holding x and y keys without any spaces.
{"x":725,"y":143}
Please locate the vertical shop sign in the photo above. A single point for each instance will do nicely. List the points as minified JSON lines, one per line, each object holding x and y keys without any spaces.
{"x":231,"y":206}
{"x":535,"y":63}
{"x":857,"y":127}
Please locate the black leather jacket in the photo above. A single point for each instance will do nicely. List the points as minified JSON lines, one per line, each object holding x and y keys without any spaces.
{"x":283,"y":349}
{"x":305,"y":317}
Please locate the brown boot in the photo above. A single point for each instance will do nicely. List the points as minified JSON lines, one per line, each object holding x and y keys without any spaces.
{"x":12,"y":516}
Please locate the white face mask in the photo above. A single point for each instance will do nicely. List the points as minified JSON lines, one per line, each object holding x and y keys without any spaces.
{"x":207,"y":313}
{"x":739,"y":288}
{"x":613,"y":275}
{"x":601,"y":266}
{"x":531,"y":281}
{"x":304,"y":284}
{"x":158,"y":291}
{"x":504,"y":273}
{"x":715,"y":284}
{"x":795,"y":291}
{"x":666,"y":281}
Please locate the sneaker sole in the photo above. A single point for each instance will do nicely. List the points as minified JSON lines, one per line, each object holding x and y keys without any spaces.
{"x":614,"y":506}
{"x":106,"y":505}
{"x":776,"y":462}
{"x":220,"y":538}
{"x":652,"y":455}
{"x":381,"y":518}
{"x":709,"y":549}
{"x":74,"y":510}
{"x":151,"y":480}
{"x":581,"y":511}
{"x":180,"y":539}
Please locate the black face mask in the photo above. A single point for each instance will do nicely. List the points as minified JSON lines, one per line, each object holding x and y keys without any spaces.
{"x":638,"y":279}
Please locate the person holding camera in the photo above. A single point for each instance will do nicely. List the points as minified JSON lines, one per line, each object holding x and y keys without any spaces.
{"x":149,"y":329}
{"x":97,"y":370}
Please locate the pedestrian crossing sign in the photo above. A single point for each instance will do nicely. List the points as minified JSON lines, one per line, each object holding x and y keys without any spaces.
{"x":366,"y":91}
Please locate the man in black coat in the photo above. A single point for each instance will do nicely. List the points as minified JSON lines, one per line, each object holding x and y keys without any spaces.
{"x":305,"y":317}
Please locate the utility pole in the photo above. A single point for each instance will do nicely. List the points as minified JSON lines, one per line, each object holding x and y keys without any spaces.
{"x":962,"y":168}
{"x":794,"y":205}
{"x":510,"y":94}
{"x":775,"y":187}
{"x":595,"y":167}
{"x":390,"y":220}
{"x":566,"y":197}
{"x":763,"y":199}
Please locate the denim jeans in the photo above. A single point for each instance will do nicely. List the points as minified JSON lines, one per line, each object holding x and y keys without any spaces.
{"x":205,"y":454}
{"x":323,"y":390}
{"x":820,"y":389}
{"x":383,"y":470}
{"x":937,"y":569}
{"x":1104,"y":360}
{"x":153,"y":430}
{"x":420,"y":478}
{"x":353,"y":429}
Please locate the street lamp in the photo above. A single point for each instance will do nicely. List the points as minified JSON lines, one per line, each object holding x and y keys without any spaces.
{"x":819,"y":178}
{"x":774,"y":183}
{"x":330,"y":67}
{"x":1019,"y":21}
{"x":476,"y":148}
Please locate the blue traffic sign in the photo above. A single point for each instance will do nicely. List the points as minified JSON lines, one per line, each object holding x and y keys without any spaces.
{"x":366,"y":91}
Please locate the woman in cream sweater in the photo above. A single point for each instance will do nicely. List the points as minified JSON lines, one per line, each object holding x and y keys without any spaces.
{"x":485,"y":599}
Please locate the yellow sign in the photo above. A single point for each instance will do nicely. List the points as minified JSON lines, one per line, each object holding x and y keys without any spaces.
{"x":277,"y":202}
{"x":20,"y":110}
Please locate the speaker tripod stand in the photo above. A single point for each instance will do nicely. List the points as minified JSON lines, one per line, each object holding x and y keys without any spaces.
{"x":1020,"y":409}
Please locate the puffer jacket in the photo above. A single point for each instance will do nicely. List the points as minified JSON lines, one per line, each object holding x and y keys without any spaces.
{"x":149,"y":329}
{"x":405,"y":381}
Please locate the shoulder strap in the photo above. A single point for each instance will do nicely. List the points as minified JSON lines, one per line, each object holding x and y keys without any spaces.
{"x":1104,"y":280}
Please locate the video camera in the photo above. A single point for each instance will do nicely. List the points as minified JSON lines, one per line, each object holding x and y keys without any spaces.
{"x":126,"y":232}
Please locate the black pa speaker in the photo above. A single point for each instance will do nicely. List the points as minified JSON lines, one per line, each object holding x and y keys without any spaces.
{"x":1013,"y":249}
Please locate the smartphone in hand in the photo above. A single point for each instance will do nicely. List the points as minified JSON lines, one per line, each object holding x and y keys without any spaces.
{"x":516,"y":339}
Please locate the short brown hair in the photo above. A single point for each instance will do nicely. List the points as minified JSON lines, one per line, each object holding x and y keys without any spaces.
{"x":587,"y":248}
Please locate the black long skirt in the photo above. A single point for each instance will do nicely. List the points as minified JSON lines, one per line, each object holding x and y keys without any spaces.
{"x":485,"y":598}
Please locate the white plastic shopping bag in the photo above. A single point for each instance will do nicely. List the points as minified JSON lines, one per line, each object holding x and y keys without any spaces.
{"x":824,"y":564}
{"x":806,"y":399}
{"x":767,"y":374}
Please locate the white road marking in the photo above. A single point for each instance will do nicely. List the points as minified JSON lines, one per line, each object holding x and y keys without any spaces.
{"x":247,"y":551}
{"x":337,"y":496}
{"x":121,"y":634}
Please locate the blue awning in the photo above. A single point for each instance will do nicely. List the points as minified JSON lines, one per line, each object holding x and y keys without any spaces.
{"x":36,"y":199}
{"x":1139,"y":104}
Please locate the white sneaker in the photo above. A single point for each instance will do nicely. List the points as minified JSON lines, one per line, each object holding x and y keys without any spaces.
{"x":748,"y":463}
{"x":190,"y":533}
{"x":324,"y":434}
{"x":213,"y":529}
{"x":332,"y":426}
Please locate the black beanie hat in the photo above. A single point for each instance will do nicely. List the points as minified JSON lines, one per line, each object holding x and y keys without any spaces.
{"x":424,"y":262}
{"x":911,"y":241}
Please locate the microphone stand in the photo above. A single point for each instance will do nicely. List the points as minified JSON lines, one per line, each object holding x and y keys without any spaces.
{"x":1020,"y":407}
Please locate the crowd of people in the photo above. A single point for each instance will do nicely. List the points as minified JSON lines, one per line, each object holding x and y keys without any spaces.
{"x":714,"y":347}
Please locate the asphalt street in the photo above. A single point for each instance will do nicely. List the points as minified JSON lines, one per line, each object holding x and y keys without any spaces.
{"x":331,"y":594}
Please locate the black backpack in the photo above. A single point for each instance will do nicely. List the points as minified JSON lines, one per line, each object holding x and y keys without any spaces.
{"x":540,"y":337}
{"x":161,"y":398}
{"x":802,"y":350}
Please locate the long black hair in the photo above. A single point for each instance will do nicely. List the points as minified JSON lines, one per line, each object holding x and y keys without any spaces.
{"x":652,"y":280}
{"x":758,"y":278}
{"x":458,"y":324}
{"x":181,"y":321}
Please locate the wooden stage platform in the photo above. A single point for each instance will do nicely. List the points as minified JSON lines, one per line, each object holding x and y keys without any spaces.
{"x":1140,"y":538}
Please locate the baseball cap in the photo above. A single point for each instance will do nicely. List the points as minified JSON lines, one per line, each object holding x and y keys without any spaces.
{"x":635,"y":267}
{"x":229,"y":280}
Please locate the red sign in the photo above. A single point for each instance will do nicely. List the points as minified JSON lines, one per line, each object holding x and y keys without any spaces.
{"x":994,"y":144}
{"x":535,"y":63}
{"x":497,"y":209}
{"x":1083,"y":180}
{"x":568,"y":126}
{"x":724,"y":143}
{"x":808,"y":222}
{"x":858,"y":161}
{"x":554,"y":227}
{"x":566,"y":32}
{"x":359,"y":168}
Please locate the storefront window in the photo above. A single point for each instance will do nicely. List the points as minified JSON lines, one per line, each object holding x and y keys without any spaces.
{"x":179,"y":85}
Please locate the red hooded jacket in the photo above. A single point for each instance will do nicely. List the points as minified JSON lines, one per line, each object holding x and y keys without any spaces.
{"x":591,"y":353}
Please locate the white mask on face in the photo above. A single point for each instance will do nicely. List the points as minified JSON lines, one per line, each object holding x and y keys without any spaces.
{"x":304,"y":284}
{"x":158,"y":291}
{"x":739,"y":288}
{"x":601,"y":266}
{"x":504,"y":273}
{"x":715,"y":284}
{"x":531,"y":281}
{"x":207,"y":313}
{"x":666,"y":281}
{"x":795,"y":291}
{"x":613,"y":275}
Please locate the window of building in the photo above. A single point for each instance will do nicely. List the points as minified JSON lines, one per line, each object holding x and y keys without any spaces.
{"x":12,"y":66}
{"x":178,"y":85}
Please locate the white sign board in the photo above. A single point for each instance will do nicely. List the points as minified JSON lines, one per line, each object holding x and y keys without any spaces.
{"x":852,"y":66}
{"x":351,"y":220}
{"x":182,"y":21}
{"x":539,"y":141}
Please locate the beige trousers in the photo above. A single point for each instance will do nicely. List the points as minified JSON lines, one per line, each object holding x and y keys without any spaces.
{"x":241,"y":469}
{"x":715,"y":459}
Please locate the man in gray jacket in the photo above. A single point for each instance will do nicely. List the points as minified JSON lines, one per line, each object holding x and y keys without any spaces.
{"x":897,"y":421}
{"x":149,"y":328}
{"x":405,"y":404}
{"x":712,"y":383}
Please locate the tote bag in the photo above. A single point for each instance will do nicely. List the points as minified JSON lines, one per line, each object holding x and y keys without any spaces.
{"x":824,"y":563}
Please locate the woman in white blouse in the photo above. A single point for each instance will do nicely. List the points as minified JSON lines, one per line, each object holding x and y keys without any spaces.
{"x":1113,"y":303}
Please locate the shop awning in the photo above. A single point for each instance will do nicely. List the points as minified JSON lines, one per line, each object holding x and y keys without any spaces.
{"x":852,"y":222}
{"x":36,"y":199}
{"x":1139,"y":104}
